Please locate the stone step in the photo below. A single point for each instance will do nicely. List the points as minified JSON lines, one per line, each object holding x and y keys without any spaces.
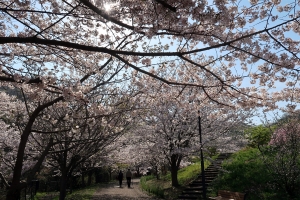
{"x":194,"y":192}
{"x":205,"y":178}
{"x":197,"y":185}
{"x":208,"y":176}
{"x":200,"y":181}
{"x":211,"y":171}
{"x":183,"y":197}
{"x":197,"y":188}
{"x":212,"y":167}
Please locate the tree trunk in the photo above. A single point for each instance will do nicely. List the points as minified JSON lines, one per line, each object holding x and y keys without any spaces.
{"x":174,"y":170}
{"x":175,"y":163}
{"x":90,"y":175}
{"x":63,"y":185}
{"x":174,"y":177}
{"x":82,"y":179}
{"x":14,"y":189}
{"x":138,"y":171}
{"x":156,"y":172}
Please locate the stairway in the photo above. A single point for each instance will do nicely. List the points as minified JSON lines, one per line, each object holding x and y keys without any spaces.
{"x":194,"y":190}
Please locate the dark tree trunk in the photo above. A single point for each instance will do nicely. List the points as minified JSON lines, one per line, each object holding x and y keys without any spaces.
{"x":82,"y":179}
{"x":174,"y":170}
{"x":138,"y":171}
{"x":90,"y":175}
{"x":63,"y":185}
{"x":15,"y":189}
{"x":175,"y":163}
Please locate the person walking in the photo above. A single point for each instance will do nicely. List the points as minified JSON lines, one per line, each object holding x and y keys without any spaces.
{"x":120,"y":178}
{"x":128,"y":177}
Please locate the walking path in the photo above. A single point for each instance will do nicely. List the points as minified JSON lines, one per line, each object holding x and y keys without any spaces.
{"x":113,"y":192}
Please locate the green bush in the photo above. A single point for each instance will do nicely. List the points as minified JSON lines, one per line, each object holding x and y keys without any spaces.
{"x":259,"y":135}
{"x":246,"y":172}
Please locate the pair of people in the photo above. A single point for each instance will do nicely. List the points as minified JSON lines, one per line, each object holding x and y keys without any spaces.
{"x":128,"y":177}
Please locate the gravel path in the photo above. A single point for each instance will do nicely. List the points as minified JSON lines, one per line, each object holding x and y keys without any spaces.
{"x":113,"y":192}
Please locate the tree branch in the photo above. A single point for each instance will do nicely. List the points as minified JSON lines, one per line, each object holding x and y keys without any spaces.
{"x":166,"y":5}
{"x":4,"y":180}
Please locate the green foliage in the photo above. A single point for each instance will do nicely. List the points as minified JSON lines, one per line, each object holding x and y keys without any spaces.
{"x":246,"y":171}
{"x":149,"y":184}
{"x":147,"y":178}
{"x":259,"y":135}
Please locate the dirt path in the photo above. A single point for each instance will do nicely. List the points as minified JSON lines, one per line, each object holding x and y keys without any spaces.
{"x":113,"y":192}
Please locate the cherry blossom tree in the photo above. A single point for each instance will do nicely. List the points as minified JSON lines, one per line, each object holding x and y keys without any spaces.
{"x":169,"y":126}
{"x":83,"y":135}
{"x":72,"y":132}
{"x":38,"y":101}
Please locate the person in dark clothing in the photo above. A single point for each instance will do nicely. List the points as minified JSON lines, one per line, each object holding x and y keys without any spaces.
{"x":128,"y":177}
{"x":120,"y":178}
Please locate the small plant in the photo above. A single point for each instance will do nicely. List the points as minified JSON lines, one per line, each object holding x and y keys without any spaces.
{"x":151,"y":186}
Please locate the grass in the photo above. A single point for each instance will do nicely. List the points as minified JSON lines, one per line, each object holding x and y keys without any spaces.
{"x":80,"y":194}
{"x":163,"y":188}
